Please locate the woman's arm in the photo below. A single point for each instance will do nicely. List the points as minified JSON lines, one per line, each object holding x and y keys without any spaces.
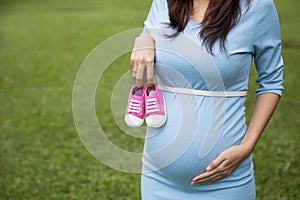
{"x":269,"y":65}
{"x":142,"y":57}
{"x":263,"y":110}
{"x":230,"y":159}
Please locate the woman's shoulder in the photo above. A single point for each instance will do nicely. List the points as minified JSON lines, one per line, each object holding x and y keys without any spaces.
{"x":161,"y":2}
{"x":160,"y":5}
{"x":258,"y":8}
{"x":261,"y":4}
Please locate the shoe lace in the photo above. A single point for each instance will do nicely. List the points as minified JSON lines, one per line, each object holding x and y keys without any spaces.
{"x":151,"y":105}
{"x":134,"y":106}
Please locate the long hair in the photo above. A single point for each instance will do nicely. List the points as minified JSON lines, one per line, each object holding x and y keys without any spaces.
{"x":219,"y":18}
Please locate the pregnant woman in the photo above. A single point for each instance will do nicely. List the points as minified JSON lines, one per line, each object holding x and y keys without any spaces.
{"x":201,"y":52}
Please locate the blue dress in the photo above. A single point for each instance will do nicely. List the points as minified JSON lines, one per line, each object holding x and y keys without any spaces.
{"x":199,"y":128}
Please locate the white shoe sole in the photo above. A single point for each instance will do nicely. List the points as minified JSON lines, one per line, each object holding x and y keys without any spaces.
{"x":133,"y":121}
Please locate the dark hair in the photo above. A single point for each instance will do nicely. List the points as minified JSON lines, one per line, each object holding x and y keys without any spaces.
{"x":220,"y":17}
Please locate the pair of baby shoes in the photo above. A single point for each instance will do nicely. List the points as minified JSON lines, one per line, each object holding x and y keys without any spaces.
{"x":145,"y":103}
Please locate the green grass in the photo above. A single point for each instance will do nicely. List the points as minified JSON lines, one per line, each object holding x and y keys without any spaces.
{"x":43,"y":43}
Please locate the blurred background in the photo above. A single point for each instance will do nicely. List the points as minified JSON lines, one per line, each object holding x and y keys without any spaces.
{"x":42,"y":45}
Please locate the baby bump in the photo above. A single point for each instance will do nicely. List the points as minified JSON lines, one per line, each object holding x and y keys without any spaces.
{"x":183,"y":147}
{"x":176,"y":158}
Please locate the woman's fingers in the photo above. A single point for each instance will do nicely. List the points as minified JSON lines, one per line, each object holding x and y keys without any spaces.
{"x":215,"y":163}
{"x":133,"y":73}
{"x":142,"y":69}
{"x":150,"y":73}
{"x":139,"y":75}
{"x":222,"y":166}
{"x":208,"y":176}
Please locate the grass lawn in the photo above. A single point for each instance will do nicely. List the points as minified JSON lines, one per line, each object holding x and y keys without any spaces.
{"x":42,"y":45}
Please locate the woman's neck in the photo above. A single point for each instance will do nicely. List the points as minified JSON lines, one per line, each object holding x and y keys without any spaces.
{"x":199,"y":9}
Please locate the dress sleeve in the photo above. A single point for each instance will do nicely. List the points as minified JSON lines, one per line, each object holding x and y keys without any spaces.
{"x":157,"y":14}
{"x":267,"y":49}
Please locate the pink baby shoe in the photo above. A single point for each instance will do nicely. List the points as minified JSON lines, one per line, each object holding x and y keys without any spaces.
{"x":155,"y":107}
{"x":135,"y":111}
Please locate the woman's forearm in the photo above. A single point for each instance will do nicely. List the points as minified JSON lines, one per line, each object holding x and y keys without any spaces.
{"x":263,"y":109}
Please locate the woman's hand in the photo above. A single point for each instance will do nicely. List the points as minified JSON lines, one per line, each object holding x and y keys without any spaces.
{"x":223,"y":165}
{"x":142,"y":57}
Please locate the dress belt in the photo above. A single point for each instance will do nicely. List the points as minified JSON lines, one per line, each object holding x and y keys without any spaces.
{"x":203,"y":92}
